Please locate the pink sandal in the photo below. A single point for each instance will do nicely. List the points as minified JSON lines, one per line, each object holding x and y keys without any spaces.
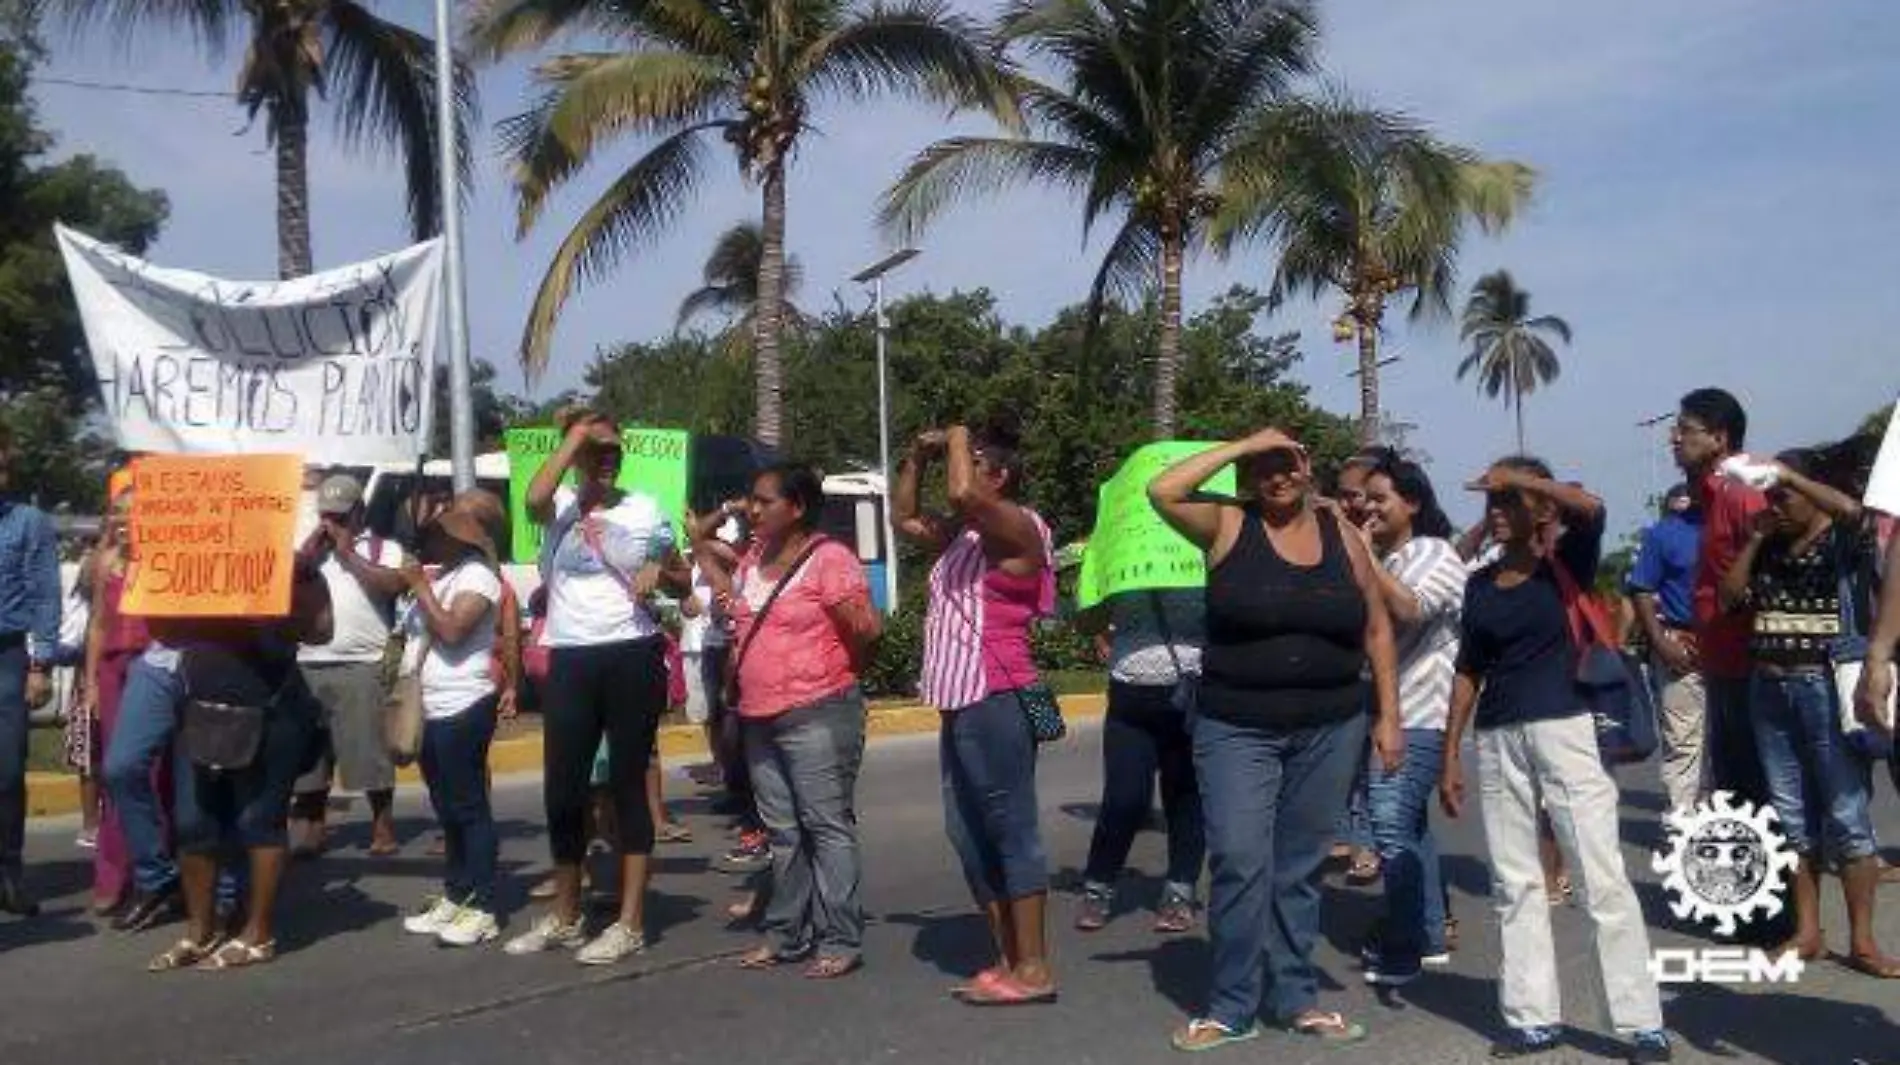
{"x":1008,"y":991}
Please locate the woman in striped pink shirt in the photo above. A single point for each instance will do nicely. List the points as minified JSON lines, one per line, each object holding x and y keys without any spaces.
{"x":995,"y":576}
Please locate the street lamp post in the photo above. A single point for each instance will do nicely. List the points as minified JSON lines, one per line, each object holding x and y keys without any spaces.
{"x":874,"y":276}
{"x":455,"y":309}
{"x":1651,"y":423}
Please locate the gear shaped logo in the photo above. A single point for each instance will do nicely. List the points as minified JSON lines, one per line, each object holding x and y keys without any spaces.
{"x":1727,"y":860}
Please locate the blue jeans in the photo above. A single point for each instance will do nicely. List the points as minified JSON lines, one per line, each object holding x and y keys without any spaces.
{"x":1355,"y":822}
{"x":1817,"y":781}
{"x":1400,"y":805}
{"x":15,"y":723}
{"x":989,"y":799}
{"x":804,"y":765}
{"x":1145,"y":737}
{"x":454,"y":762}
{"x":1270,"y":800}
{"x":148,"y":715}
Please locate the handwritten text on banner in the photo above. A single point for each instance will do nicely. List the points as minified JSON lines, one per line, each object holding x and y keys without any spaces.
{"x":338,"y":364}
{"x":654,"y":465}
{"x":1132,"y":549}
{"x":211,"y":535}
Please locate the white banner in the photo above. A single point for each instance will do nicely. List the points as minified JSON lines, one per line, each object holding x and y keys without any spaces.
{"x":1883,"y":487}
{"x":336,"y":366}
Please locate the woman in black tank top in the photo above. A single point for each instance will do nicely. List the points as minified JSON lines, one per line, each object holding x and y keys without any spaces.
{"x":1294,"y":619}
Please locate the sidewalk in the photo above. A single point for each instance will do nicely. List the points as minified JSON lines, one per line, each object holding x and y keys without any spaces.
{"x":519,"y":748}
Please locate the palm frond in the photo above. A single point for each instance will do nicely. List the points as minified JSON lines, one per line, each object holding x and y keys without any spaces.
{"x":501,"y":28}
{"x":710,"y":299}
{"x":1550,"y":323}
{"x":1259,"y":47}
{"x":914,"y":47}
{"x":959,"y":167}
{"x":384,"y":77}
{"x":1130,"y":269}
{"x":591,"y":97}
{"x":1495,"y":192}
{"x":642,"y":203}
{"x":211,"y":22}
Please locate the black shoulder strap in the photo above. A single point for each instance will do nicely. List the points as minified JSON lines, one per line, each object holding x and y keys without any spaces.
{"x":783,"y":583}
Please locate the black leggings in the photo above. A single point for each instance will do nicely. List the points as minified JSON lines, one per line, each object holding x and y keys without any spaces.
{"x":619,"y":688}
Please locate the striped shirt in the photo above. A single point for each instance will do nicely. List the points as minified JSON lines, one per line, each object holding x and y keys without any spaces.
{"x":29,"y":579}
{"x":955,"y":672}
{"x":1428,"y":650}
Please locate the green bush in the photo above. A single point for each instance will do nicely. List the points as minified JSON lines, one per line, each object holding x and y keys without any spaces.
{"x":899,"y":659}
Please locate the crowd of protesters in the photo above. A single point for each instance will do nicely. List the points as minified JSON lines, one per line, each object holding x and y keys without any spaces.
{"x":1354,"y":669}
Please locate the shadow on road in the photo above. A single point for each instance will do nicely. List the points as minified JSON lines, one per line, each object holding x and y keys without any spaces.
{"x":1782,"y":1027}
{"x":957,"y":944}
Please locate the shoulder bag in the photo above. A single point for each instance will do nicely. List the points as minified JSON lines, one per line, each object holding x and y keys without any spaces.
{"x":1608,"y":684}
{"x":216,"y":734}
{"x":731,"y":687}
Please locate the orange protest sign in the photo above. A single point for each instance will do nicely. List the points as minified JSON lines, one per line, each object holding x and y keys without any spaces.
{"x":211,"y":535}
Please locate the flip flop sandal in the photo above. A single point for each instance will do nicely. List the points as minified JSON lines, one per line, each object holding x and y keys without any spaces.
{"x":1328,"y":1027}
{"x":674,"y":832}
{"x":980,"y":980}
{"x":1562,"y":893}
{"x":183,"y":954}
{"x":387,"y":848}
{"x":1878,"y":968}
{"x":237,"y":954}
{"x":1204,"y":1033}
{"x":762,"y":958}
{"x":832,"y":967}
{"x":1007,"y":991}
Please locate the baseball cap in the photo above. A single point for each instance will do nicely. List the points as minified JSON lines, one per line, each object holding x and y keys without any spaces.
{"x":339,"y":494}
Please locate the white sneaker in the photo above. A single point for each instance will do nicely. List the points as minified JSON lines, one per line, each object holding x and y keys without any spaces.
{"x":615,"y":943}
{"x":469,"y":928}
{"x":548,"y":933}
{"x":432,"y":920}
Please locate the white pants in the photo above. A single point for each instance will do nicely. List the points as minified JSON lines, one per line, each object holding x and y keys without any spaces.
{"x":696,"y":705}
{"x":1684,"y":712}
{"x":1558,"y":762}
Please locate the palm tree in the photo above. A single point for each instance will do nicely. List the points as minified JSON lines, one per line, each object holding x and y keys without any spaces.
{"x":693,"y":72}
{"x":731,"y":286}
{"x":1508,"y":349}
{"x":381,"y":76}
{"x":1151,"y":96}
{"x":1366,"y":203}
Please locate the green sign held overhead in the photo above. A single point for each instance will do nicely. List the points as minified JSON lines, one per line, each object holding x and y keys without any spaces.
{"x":655,"y":465}
{"x":1132,"y":549}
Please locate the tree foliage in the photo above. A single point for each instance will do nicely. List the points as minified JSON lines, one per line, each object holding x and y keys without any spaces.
{"x":1508,"y":350}
{"x":47,"y":384}
{"x":1083,"y":406}
{"x":1148,"y":102}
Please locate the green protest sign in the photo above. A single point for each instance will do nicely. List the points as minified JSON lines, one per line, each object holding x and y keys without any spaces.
{"x":1132,"y":549}
{"x":655,"y":465}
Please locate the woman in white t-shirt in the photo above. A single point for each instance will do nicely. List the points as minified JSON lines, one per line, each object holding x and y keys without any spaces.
{"x":453,"y":619}
{"x":1423,"y":583}
{"x":605,"y":556}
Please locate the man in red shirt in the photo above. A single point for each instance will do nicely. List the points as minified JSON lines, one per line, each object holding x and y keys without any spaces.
{"x":1711,"y":426}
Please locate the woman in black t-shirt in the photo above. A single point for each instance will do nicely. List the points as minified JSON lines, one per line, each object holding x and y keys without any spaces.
{"x":1516,"y":673}
{"x":1806,"y":547}
{"x":1294,"y":621}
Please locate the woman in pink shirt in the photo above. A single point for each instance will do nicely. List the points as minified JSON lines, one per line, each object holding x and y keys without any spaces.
{"x":994,"y":575}
{"x":805,"y":628}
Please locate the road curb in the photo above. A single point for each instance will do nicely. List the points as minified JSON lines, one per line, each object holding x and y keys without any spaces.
{"x":57,"y":794}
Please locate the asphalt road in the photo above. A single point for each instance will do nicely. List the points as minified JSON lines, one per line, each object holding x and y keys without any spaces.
{"x":350,"y":987}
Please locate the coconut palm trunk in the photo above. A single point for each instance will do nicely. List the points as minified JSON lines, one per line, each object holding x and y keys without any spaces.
{"x":767,"y":368}
{"x":1368,"y":384}
{"x":293,"y":195}
{"x":1168,"y":355}
{"x":1518,"y":402}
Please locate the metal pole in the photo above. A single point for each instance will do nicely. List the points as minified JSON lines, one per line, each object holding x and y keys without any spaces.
{"x":884,"y":452}
{"x":461,"y":393}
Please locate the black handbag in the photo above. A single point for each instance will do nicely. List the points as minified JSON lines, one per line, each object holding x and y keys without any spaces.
{"x":228,"y":701}
{"x":1044,"y":713}
{"x":221,"y":736}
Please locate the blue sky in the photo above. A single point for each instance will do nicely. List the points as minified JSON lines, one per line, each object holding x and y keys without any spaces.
{"x":1720,"y":204}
